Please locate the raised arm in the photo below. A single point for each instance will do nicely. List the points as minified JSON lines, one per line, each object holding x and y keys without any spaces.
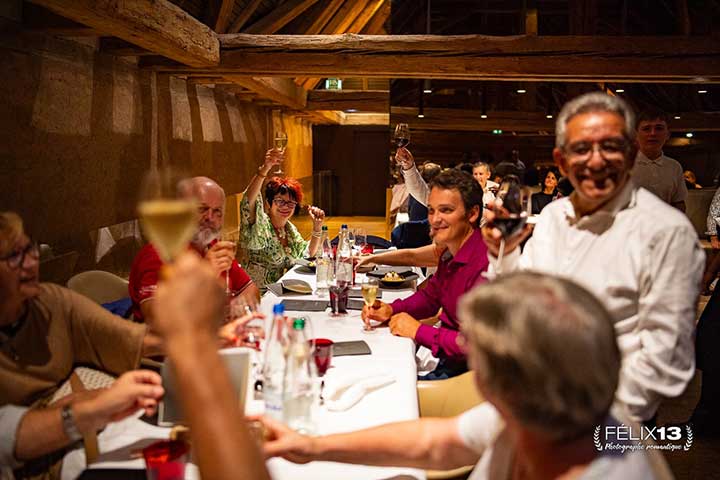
{"x":272,"y":157}
{"x":414,"y":182}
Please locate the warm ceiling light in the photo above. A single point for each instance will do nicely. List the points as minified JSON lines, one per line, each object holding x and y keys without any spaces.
{"x":483,"y":116}
{"x":689,"y":135}
{"x":426,"y":86}
{"x":620,"y":90}
{"x":548,"y":116}
{"x":521,"y":90}
{"x":702,"y":91}
{"x":677,"y":117}
{"x":421,"y":115}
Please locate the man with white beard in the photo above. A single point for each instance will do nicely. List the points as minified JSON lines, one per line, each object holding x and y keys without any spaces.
{"x":206,"y":241}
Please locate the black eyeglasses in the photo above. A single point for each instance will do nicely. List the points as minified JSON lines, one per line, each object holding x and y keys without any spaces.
{"x":610,"y":149}
{"x":285,"y":203}
{"x":16,"y":259}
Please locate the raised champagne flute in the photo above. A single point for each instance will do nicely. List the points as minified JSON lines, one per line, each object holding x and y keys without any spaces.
{"x":232,"y":235}
{"x":512,"y":208}
{"x":280,"y":143}
{"x":168,"y":213}
{"x":369,"y":290}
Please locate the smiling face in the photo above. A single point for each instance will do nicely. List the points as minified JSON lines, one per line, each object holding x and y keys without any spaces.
{"x":651,"y":136}
{"x":450,"y":222}
{"x":551,"y":181}
{"x":282,"y":208}
{"x":596,"y":157}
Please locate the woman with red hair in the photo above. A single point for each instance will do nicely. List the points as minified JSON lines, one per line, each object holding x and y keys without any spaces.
{"x":269,"y":242}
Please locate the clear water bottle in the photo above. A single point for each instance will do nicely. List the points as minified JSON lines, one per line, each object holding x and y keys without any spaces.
{"x":276,"y":347}
{"x":299,"y":384}
{"x":344,"y":265}
{"x":324,"y":268}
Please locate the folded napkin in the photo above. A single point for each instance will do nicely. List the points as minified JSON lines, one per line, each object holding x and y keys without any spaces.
{"x":345,"y":394}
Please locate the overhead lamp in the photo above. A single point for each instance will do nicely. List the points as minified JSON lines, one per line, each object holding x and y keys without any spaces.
{"x":702,"y":91}
{"x":521,"y":90}
{"x":619,"y":90}
{"x":427,"y":88}
{"x":421,"y":105}
{"x":689,"y":135}
{"x":351,"y":110}
{"x":549,"y":115}
{"x":677,"y":117}
{"x":483,"y":115}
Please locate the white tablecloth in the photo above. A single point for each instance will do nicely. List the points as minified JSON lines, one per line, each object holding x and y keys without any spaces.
{"x":393,"y":403}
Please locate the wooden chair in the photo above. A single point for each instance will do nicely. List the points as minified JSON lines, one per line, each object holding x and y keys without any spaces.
{"x":448,"y":398}
{"x":99,"y":286}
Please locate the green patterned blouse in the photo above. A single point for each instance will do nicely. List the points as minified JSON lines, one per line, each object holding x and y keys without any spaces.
{"x":261,"y":253}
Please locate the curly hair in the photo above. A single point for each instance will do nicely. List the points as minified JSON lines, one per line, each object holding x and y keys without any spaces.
{"x":284,"y":186}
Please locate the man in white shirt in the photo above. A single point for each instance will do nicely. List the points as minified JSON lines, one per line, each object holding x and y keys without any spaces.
{"x":481,"y":173}
{"x":641,"y":258}
{"x":654,"y":171}
{"x":546,"y":361}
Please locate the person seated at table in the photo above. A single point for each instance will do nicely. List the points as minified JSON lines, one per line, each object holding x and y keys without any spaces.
{"x":547,"y":194}
{"x":547,"y":363}
{"x":269,"y":242}
{"x":145,"y":270}
{"x":30,"y":433}
{"x":481,"y":173}
{"x":454,"y":209}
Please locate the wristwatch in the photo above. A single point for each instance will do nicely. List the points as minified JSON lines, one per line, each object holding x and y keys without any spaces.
{"x":68,"y":424}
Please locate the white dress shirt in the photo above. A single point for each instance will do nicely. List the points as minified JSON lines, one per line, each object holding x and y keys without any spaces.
{"x":643,"y":260}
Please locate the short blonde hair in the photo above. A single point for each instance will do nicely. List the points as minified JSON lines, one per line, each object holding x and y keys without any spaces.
{"x":546,"y":348}
{"x":11,"y":228}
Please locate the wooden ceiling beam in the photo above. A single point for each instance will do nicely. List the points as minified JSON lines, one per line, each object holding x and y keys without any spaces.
{"x":472,"y":57}
{"x":360,"y":100}
{"x":340,"y":22}
{"x":470,"y":120}
{"x":285,"y":13}
{"x":244,"y":16}
{"x":223,"y":17}
{"x":121,"y":48}
{"x":37,"y":19}
{"x":156,"y":25}
{"x":323,"y":17}
{"x":377,"y":22}
{"x":279,"y":90}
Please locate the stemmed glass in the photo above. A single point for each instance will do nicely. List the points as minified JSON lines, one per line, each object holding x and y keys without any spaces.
{"x":401,"y":137}
{"x":167,"y":208}
{"x":360,"y":239}
{"x":512,"y":207}
{"x":322,"y":352}
{"x":280,"y":143}
{"x":232,"y":236}
{"x":351,"y":238}
{"x":369,"y":290}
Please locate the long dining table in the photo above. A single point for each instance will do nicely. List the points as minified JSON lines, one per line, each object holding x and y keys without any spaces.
{"x":390,"y":355}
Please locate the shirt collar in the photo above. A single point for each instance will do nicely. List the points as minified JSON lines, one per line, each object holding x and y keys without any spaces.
{"x":625,"y":199}
{"x":641,"y":158}
{"x":468,"y":250}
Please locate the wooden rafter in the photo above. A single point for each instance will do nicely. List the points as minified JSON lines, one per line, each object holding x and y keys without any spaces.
{"x":223,"y":16}
{"x":365,"y":15}
{"x":279,"y":90}
{"x":359,"y":100}
{"x":512,"y":58}
{"x":121,"y":48}
{"x":323,"y":17}
{"x":156,"y":25}
{"x":282,"y":15}
{"x":41,"y":20}
{"x":244,"y":16}
{"x":377,"y":22}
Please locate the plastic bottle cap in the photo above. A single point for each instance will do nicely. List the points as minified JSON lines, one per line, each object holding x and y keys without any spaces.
{"x":299,"y":324}
{"x":278,"y":309}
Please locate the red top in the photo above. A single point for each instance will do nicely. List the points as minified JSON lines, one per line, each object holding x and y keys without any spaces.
{"x":144,"y":278}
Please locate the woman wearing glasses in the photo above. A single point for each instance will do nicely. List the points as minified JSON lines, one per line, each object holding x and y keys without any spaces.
{"x":269,"y":242}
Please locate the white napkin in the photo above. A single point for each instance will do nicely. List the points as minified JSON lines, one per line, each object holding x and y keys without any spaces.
{"x":344,"y":395}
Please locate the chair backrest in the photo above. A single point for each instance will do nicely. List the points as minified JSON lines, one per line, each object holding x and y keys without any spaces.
{"x":449,"y":397}
{"x":99,"y":286}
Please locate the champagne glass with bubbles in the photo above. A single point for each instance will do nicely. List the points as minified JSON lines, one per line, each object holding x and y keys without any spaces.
{"x":168,"y":211}
{"x":280,"y":143}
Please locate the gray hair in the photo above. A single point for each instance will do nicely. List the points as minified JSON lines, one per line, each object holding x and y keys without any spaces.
{"x":483,"y":164}
{"x":549,"y":355}
{"x":594,"y":102}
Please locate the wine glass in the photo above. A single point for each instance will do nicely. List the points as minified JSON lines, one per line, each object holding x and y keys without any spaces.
{"x":360,"y":239}
{"x":512,"y":207}
{"x":401,"y":137}
{"x":322,"y":353}
{"x":167,"y":208}
{"x":369,"y":290}
{"x":280,"y":143}
{"x":351,"y":238}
